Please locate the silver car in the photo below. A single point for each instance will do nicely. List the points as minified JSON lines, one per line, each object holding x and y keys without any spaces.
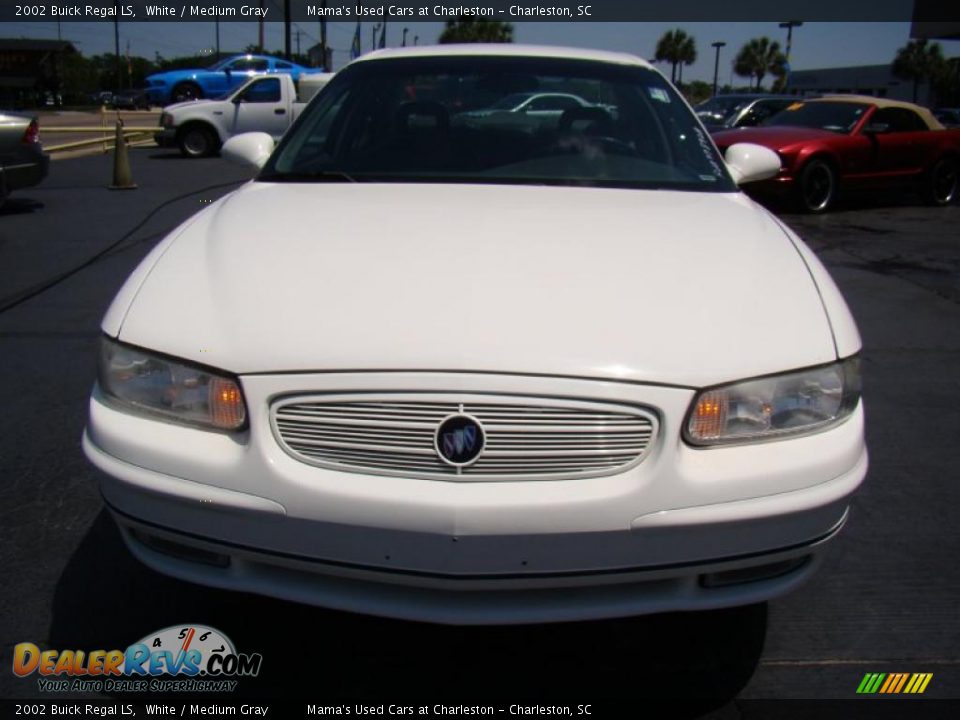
{"x":22,"y":162}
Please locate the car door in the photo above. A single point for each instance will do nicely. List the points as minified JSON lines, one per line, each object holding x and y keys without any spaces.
{"x":897,"y":145}
{"x":258,"y":108}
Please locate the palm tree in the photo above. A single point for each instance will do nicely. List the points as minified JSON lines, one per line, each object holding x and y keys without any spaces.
{"x":675,"y":47}
{"x":758,"y":57}
{"x":687,"y":53}
{"x":465,"y":29}
{"x":918,"y":61}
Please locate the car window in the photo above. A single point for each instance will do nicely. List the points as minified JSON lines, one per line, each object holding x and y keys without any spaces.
{"x":721,"y":108}
{"x":249,"y":65}
{"x":282,"y":65}
{"x":553,"y":102}
{"x":262,"y":91}
{"x":435,"y":119}
{"x":898,"y":120}
{"x":767,"y":108}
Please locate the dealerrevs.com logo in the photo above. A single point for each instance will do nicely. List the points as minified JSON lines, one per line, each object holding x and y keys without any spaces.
{"x":180,"y":658}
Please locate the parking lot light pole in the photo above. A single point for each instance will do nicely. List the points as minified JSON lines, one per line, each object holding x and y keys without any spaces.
{"x":716,"y":63}
{"x":790,"y":25}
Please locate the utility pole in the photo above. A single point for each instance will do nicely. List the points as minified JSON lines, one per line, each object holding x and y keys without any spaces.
{"x":216,"y":24}
{"x":373,"y":37}
{"x":416,"y":38}
{"x":323,"y":38}
{"x":116,"y":41}
{"x":298,"y":39}
{"x":286,"y":29}
{"x":716,"y":63}
{"x":405,"y":31}
{"x":260,"y":36}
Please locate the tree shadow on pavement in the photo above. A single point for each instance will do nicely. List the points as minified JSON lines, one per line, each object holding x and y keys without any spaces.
{"x":105,"y":599}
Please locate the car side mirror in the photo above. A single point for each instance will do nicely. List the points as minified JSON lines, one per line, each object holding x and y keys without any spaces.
{"x":748,"y":162}
{"x":252,"y":148}
{"x":876,"y":128}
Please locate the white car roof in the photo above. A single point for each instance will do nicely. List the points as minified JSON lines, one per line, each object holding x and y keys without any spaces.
{"x":505,"y":50}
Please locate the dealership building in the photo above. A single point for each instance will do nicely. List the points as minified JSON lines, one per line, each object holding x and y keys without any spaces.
{"x":876,"y":80}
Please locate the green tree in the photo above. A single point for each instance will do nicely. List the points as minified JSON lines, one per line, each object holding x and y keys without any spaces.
{"x":688,"y":56}
{"x":696,"y":91}
{"x":946,"y":84}
{"x":919,"y":61}
{"x":678,"y":49}
{"x":758,"y":57}
{"x":464,"y":29}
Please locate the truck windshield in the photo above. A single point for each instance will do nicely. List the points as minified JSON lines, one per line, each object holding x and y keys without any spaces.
{"x":455,"y":119}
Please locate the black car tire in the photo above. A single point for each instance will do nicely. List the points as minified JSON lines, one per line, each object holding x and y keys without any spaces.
{"x":186,"y":91}
{"x":197,"y":141}
{"x":941,"y":182}
{"x":816,"y":189}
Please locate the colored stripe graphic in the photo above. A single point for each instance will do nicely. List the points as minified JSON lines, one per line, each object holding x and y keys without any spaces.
{"x":894,"y":683}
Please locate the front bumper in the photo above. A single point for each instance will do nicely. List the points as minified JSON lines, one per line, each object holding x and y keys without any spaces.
{"x":239,"y":513}
{"x":166,"y":138}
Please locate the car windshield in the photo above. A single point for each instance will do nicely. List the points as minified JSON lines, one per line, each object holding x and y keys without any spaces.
{"x":721,"y":108}
{"x":219,"y":65}
{"x":838,"y":117}
{"x":415,"y":120}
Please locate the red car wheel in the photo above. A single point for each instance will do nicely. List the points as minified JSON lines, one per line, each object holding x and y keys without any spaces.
{"x":943,"y":181}
{"x":817,"y":186}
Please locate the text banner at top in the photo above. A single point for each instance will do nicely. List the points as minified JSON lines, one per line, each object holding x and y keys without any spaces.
{"x":523,"y":11}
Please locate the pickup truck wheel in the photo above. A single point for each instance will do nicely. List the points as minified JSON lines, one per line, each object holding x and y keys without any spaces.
{"x":197,"y":141}
{"x":186,"y":91}
{"x":816,"y":186}
{"x":942,"y":181}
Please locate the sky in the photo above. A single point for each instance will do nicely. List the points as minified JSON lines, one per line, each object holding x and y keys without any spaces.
{"x":815,"y":44}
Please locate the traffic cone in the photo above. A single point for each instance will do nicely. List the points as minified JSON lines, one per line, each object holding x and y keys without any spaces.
{"x":122,"y":177}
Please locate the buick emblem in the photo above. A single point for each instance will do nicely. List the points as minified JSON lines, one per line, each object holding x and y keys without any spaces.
{"x":459,"y":440}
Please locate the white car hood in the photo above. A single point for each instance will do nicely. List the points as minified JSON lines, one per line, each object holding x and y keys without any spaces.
{"x":194,"y":104}
{"x":683,"y":288}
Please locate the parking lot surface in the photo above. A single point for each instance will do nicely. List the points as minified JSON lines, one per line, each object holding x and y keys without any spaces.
{"x":884,"y":601}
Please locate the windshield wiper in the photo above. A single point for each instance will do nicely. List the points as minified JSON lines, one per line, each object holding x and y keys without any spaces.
{"x":317,"y":176}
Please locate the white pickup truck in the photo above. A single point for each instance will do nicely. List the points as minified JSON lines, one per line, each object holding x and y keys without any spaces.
{"x":265,"y":103}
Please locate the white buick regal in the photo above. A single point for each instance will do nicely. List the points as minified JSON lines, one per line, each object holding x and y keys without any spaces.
{"x":449,"y":363}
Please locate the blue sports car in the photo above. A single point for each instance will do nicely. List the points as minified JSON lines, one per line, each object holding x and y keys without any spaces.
{"x":180,"y":85}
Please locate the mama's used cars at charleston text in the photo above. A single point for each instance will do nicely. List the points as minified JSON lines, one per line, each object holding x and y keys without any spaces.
{"x":484,"y":367}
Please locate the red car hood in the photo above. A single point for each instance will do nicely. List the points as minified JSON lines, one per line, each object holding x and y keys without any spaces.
{"x":775,"y":138}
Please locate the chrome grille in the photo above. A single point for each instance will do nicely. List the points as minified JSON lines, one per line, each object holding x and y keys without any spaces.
{"x":526,"y":438}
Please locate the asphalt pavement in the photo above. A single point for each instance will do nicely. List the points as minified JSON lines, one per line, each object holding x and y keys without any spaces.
{"x":885,"y":600}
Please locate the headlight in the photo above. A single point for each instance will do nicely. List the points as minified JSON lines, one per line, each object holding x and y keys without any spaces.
{"x":777,"y":406}
{"x":166,"y":120}
{"x":176,"y":391}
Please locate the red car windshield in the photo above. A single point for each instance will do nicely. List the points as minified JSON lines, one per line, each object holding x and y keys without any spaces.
{"x":838,"y":117}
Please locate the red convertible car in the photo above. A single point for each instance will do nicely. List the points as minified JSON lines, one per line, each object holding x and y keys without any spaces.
{"x":849,"y":142}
